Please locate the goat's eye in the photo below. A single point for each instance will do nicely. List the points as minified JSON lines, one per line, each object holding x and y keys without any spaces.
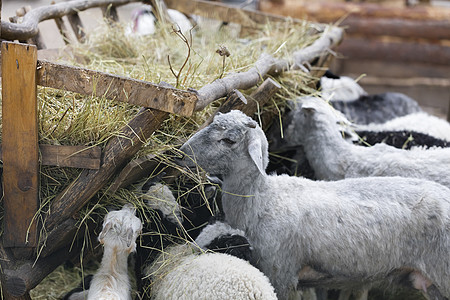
{"x":228,"y":141}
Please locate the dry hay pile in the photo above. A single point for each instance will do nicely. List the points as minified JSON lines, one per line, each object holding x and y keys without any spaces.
{"x":67,"y":118}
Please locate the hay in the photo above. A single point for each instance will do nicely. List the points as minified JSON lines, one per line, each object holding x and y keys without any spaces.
{"x":70,"y":119}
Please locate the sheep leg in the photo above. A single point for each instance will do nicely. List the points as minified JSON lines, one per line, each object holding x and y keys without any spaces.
{"x":434,"y":294}
{"x":345,"y":295}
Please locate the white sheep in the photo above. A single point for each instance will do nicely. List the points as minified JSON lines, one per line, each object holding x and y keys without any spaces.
{"x":332,"y":158}
{"x":144,"y":21}
{"x":119,"y":233}
{"x":185,"y":272}
{"x":342,"y":88}
{"x":353,"y":232}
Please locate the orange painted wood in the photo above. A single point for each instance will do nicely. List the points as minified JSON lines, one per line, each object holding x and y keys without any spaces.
{"x":20,"y":144}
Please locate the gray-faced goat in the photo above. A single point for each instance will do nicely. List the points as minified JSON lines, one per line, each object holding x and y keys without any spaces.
{"x":352,"y":232}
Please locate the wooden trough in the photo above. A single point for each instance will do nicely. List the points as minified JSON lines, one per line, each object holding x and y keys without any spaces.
{"x":21,"y":153}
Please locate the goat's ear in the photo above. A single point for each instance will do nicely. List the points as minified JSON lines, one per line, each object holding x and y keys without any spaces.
{"x":255,"y":151}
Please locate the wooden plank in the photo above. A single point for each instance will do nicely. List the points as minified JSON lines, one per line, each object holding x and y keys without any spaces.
{"x":378,"y":49}
{"x":71,"y":156}
{"x":119,"y":88}
{"x":84,"y":157}
{"x":20,"y":144}
{"x":110,"y":14}
{"x":244,"y":17}
{"x":330,"y":12}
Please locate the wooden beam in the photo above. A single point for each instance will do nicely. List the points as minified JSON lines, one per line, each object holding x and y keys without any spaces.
{"x":69,"y":156}
{"x":119,"y":150}
{"x":29,"y":27}
{"x":110,"y":14}
{"x":378,"y":49}
{"x":219,"y":88}
{"x":135,"y":170}
{"x":20,"y":144}
{"x":77,"y":26}
{"x":330,"y":11}
{"x":133,"y":91}
{"x":256,"y":100}
{"x":215,"y":10}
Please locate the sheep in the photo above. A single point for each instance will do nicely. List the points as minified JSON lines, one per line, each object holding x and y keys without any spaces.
{"x":332,"y":158}
{"x":81,"y":291}
{"x":219,"y":237}
{"x":185,"y":272}
{"x":399,"y":139}
{"x":340,"y":88}
{"x":347,"y":96}
{"x":352,"y":232}
{"x":119,"y":233}
{"x":419,"y":122}
{"x":144,"y":21}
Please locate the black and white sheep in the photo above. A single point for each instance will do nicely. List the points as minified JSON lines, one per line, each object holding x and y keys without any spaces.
{"x":418,"y":122}
{"x":333,"y":158}
{"x":353,"y":231}
{"x":347,"y":96}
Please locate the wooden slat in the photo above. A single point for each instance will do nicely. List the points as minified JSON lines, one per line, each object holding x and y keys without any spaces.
{"x":71,"y":156}
{"x":133,"y":91}
{"x":20,"y":144}
{"x":244,"y":17}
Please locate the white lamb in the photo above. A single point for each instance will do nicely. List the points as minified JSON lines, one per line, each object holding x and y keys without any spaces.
{"x":353,"y":231}
{"x":119,"y":233}
{"x":184,"y":272}
{"x":332,"y":158}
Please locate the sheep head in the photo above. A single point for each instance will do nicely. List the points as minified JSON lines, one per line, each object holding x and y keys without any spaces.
{"x":121,"y":228}
{"x":231,"y":143}
{"x":313,"y":113}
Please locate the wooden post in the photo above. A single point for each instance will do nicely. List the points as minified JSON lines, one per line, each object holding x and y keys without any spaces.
{"x":20,"y":145}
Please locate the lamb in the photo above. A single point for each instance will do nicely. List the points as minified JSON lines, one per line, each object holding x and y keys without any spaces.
{"x":332,"y":158}
{"x":119,"y":233}
{"x":341,"y":88}
{"x":352,"y":232}
{"x":185,"y":272}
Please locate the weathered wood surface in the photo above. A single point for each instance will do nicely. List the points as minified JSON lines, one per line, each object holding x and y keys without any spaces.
{"x":375,"y":49}
{"x":135,"y":170}
{"x":19,"y":277}
{"x":110,"y":13}
{"x":331,"y":37}
{"x":20,"y":144}
{"x":62,"y":28}
{"x":85,"y":157}
{"x":117,"y":153}
{"x":29,"y":27}
{"x":119,"y":88}
{"x":255,"y":100}
{"x":244,"y":17}
{"x":266,"y":64}
{"x":325,"y":11}
{"x":396,"y":27}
